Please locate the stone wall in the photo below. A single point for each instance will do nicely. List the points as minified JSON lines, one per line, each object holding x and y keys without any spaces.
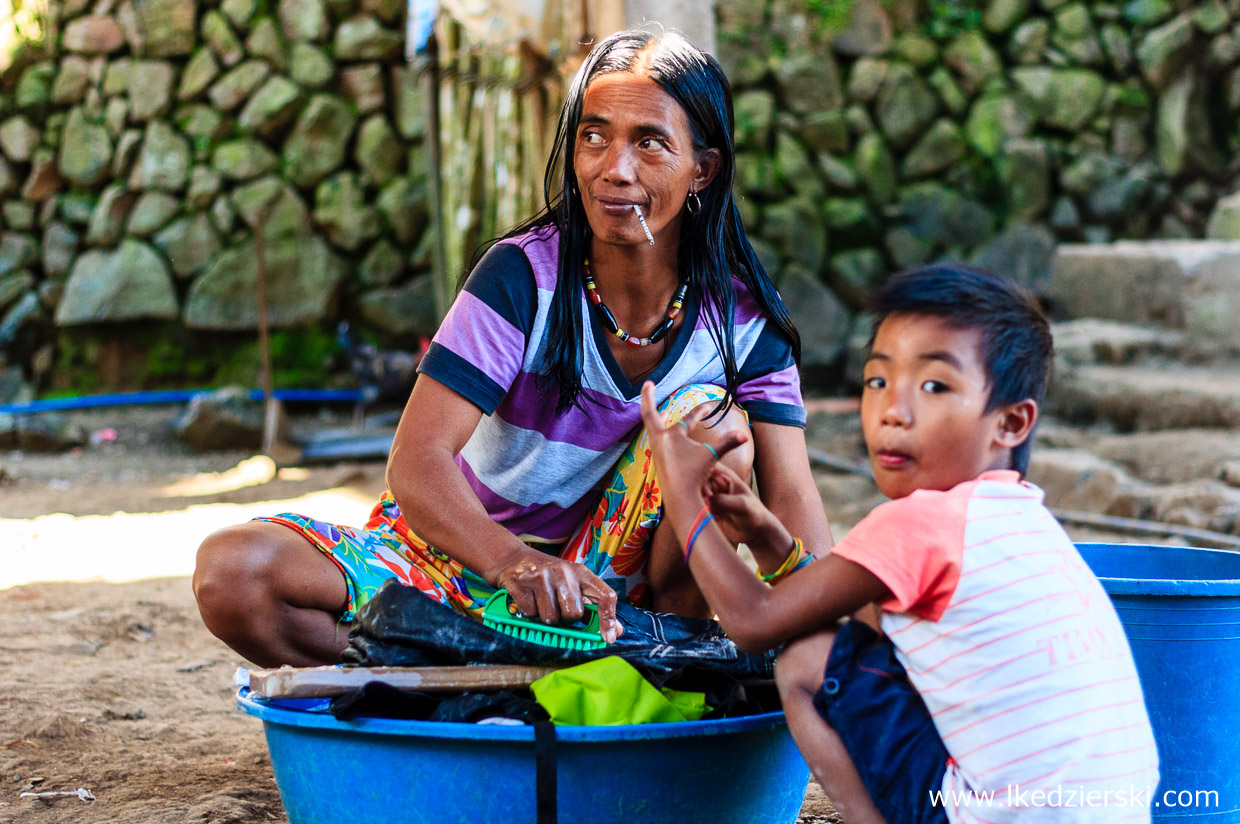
{"x":898,"y":132}
{"x":144,"y":141}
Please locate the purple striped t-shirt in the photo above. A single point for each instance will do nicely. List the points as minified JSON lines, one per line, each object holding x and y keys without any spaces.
{"x":539,"y":473}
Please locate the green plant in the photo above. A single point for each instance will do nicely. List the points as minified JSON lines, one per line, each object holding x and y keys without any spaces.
{"x":74,"y":372}
{"x":166,"y":356}
{"x":299,"y":357}
{"x":833,"y":15}
{"x":174,"y":361}
{"x":947,"y":19}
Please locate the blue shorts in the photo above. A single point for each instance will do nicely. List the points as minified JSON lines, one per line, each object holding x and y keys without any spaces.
{"x":883,"y":722}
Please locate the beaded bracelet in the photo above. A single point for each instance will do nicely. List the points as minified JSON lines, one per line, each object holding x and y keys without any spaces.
{"x":791,"y":564}
{"x":704,"y":517}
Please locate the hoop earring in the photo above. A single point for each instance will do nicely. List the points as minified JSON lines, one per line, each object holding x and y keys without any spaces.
{"x":693,"y":204}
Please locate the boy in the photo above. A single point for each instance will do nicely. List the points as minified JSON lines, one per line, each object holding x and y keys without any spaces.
{"x":990,"y":681}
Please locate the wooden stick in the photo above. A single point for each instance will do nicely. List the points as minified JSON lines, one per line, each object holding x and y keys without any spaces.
{"x":1138,"y":526}
{"x":324,"y":682}
{"x":271,"y":406}
{"x":837,"y":464}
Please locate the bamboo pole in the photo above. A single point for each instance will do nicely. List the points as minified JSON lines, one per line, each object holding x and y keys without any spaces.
{"x":453,"y":125}
{"x":430,"y":79}
{"x":489,"y":125}
{"x":473,"y":157}
{"x":490,"y":136}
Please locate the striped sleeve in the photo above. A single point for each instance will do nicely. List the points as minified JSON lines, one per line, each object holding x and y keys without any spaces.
{"x":769,"y":386}
{"x":480,"y":345}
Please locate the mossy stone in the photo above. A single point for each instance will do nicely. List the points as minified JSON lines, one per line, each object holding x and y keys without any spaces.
{"x":1027,"y":45}
{"x":319,"y":139}
{"x":34,"y":88}
{"x":151,"y":213}
{"x":1002,"y":15}
{"x":310,"y":66}
{"x":915,"y":49}
{"x":938,"y":149}
{"x":905,"y":105}
{"x":243,"y":159}
{"x":383,"y":264}
{"x":403,"y":207}
{"x":876,"y":168}
{"x":379,"y":152}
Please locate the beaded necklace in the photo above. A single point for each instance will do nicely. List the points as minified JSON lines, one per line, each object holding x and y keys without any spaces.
{"x":609,"y":320}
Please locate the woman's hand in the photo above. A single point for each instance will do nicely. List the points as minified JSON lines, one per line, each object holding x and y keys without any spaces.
{"x":740,"y":514}
{"x":552,"y":589}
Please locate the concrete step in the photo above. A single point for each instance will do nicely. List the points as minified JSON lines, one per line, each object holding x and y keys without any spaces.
{"x":1176,"y":455}
{"x":1097,"y":341}
{"x":1191,"y":285}
{"x":1148,"y":396}
{"x":1078,"y":480}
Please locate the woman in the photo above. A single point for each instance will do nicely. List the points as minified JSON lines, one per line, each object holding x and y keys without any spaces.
{"x":519,"y":461}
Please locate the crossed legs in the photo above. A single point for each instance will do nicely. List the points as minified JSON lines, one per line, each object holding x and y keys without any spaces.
{"x":271,"y":595}
{"x":268,"y":593}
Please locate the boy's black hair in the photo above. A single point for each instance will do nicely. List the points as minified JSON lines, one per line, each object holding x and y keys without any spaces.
{"x":1016,"y":347}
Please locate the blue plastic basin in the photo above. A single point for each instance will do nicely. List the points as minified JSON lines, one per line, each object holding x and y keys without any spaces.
{"x":1180,"y":607}
{"x":744,"y":770}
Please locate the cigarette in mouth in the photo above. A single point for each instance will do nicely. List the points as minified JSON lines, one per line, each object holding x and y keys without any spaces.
{"x":645,"y":228}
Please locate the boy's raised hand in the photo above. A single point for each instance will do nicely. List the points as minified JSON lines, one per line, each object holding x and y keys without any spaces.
{"x":738,"y":511}
{"x":683,"y":464}
{"x":690,"y":475}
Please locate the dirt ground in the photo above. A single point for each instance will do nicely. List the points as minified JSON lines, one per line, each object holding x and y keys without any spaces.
{"x":108,"y":680}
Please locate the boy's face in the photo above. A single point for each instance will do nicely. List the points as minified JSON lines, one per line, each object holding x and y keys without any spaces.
{"x":923,"y":407}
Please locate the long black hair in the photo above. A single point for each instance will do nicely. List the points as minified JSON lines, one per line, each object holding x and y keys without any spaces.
{"x":713,"y":244}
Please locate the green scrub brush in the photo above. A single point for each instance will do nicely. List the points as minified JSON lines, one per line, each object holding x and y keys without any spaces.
{"x":501,"y":614}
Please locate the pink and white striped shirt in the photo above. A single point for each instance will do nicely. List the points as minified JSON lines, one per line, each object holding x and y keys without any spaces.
{"x":1017,"y":651}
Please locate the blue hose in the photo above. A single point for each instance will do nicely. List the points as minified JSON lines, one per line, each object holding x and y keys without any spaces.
{"x":174,"y":396}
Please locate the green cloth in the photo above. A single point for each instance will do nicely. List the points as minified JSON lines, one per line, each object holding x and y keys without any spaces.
{"x":609,"y":691}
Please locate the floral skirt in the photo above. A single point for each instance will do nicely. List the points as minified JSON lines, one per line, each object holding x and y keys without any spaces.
{"x":613,"y":543}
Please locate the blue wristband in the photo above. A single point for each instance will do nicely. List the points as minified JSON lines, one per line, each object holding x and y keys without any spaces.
{"x":697,"y":530}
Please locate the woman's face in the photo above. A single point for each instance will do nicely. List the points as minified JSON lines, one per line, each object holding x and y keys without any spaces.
{"x":634,"y":146}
